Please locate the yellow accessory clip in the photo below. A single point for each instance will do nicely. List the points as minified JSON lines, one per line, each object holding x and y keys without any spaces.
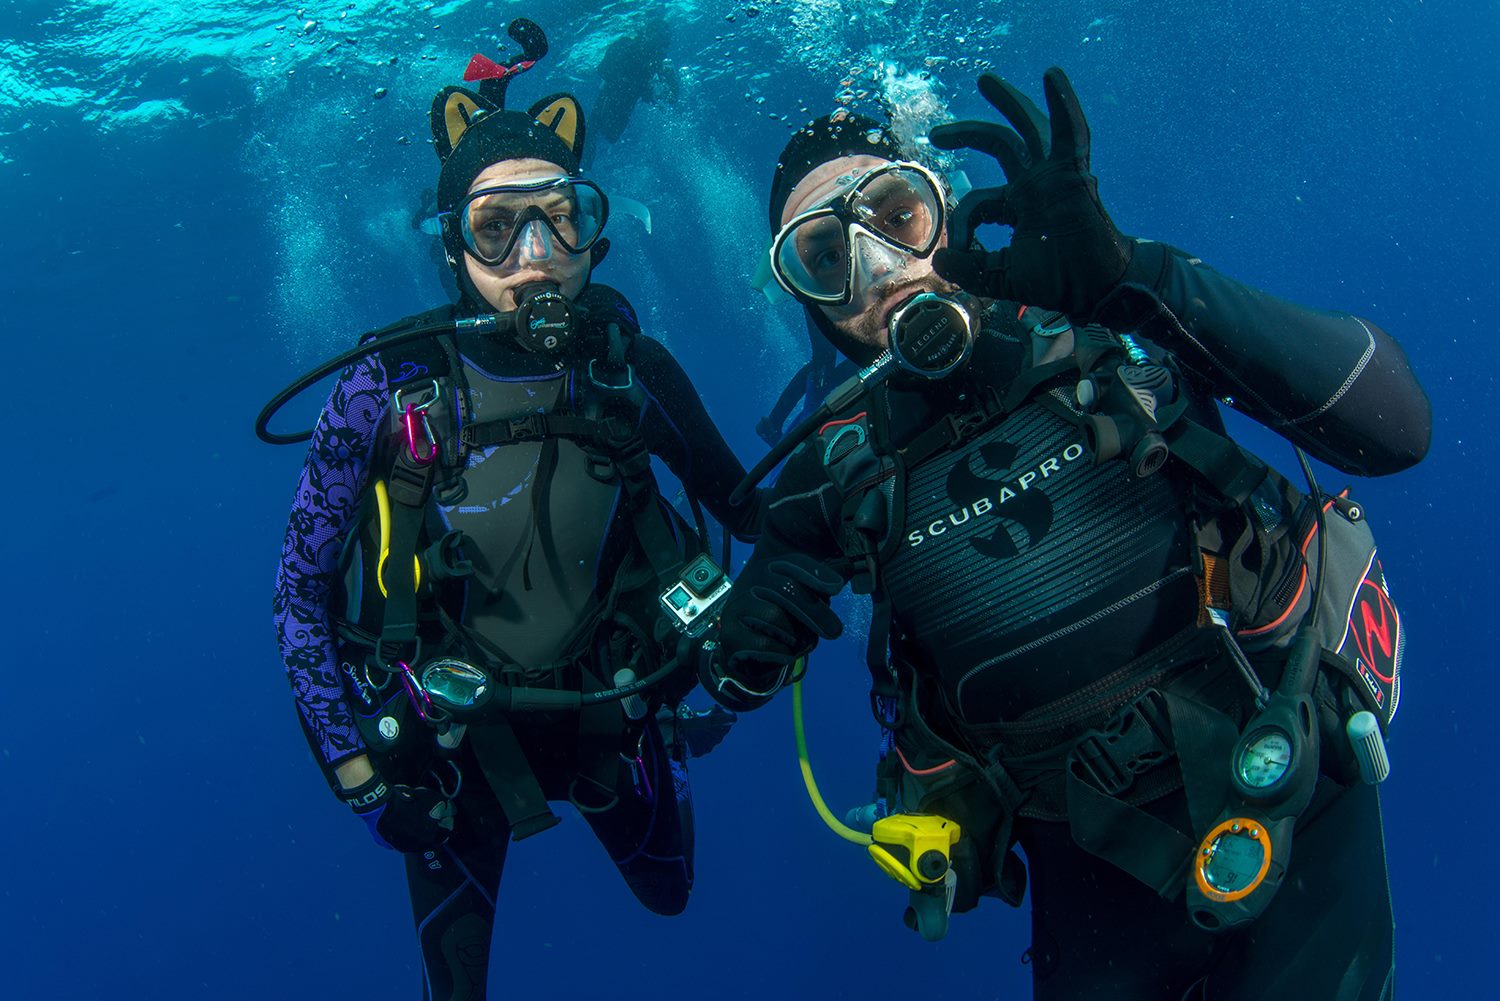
{"x":916,"y":850}
{"x":383,"y":504}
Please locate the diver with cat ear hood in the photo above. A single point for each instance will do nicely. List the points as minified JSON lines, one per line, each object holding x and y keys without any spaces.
{"x":1102,"y":631}
{"x":469,"y":600}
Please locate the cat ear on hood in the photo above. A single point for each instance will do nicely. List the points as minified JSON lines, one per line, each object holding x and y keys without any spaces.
{"x":562,"y":114}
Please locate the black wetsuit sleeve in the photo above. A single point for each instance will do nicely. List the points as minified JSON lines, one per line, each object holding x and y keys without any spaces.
{"x":1333,"y":383}
{"x":690,"y":443}
{"x":802,"y":519}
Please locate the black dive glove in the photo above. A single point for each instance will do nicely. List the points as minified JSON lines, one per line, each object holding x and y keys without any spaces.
{"x":405,"y":818}
{"x":1065,"y":253}
{"x":773,"y":617}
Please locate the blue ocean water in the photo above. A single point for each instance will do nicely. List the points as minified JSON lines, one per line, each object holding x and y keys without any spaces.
{"x":200,"y":200}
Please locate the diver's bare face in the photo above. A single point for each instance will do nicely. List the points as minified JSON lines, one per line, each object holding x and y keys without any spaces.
{"x":498,"y":283}
{"x":864,"y":319}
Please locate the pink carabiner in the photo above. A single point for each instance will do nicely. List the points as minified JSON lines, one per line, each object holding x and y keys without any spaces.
{"x":412,"y":413}
{"x":420,"y":700}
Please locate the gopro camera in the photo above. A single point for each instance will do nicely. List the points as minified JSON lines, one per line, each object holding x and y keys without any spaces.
{"x":696,"y":597}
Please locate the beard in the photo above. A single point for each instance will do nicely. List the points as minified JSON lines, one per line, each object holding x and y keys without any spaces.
{"x":868,"y":327}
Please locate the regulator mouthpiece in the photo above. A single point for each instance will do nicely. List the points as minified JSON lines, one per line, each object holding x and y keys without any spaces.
{"x":932,"y":335}
{"x":544,"y":319}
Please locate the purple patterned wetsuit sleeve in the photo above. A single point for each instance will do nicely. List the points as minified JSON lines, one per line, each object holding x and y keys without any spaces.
{"x":327,"y":500}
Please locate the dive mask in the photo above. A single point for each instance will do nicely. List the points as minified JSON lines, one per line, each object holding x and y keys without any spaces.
{"x":527,"y":217}
{"x":877,"y":225}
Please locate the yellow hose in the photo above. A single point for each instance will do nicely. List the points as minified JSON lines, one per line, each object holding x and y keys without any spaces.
{"x":834,"y":824}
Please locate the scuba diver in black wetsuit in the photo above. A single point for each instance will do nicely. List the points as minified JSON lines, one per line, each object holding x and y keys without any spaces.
{"x":469,"y":602}
{"x":634,"y":65}
{"x":1102,"y":632}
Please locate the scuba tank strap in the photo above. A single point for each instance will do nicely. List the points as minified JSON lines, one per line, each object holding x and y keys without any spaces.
{"x":510,"y":778}
{"x":613,"y":406}
{"x":529,"y":427}
{"x":1102,"y":777}
{"x":1228,"y":469}
{"x":1028,"y":383}
{"x":603,"y":728}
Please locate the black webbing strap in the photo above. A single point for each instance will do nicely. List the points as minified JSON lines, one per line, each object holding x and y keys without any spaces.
{"x":1025,"y":385}
{"x":1228,"y":469}
{"x":531,"y":427}
{"x":628,"y":455}
{"x":510,"y":778}
{"x":1152,"y":728}
{"x":632,"y":461}
{"x":878,"y":649}
{"x":600,"y":741}
{"x":954,"y":429}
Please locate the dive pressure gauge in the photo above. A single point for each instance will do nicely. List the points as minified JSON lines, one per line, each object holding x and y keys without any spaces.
{"x":1233,"y":859}
{"x":1264,"y":759}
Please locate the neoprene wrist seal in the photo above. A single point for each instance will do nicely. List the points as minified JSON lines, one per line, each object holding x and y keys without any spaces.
{"x":367,"y":795}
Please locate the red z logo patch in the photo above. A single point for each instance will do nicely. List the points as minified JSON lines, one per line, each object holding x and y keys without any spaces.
{"x":1375,"y":624}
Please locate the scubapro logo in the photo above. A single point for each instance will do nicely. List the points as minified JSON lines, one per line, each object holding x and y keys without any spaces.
{"x":1012,"y":499}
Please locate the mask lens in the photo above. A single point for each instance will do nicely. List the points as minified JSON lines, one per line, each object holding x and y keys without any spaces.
{"x":898,"y":209}
{"x":901,"y":206}
{"x":494,"y":219}
{"x":814,"y":257}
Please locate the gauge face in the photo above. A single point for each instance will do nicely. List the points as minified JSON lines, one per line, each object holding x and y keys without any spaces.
{"x":453,"y":683}
{"x":1265,"y":759}
{"x":1234,"y":861}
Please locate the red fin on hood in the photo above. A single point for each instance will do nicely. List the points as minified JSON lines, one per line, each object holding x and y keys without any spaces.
{"x":484,"y":68}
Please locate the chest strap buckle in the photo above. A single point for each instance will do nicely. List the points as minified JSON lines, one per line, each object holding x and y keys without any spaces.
{"x":1135,"y":740}
{"x":962,"y":427}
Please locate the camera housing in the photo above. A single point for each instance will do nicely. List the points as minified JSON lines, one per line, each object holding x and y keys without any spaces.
{"x":694,"y":600}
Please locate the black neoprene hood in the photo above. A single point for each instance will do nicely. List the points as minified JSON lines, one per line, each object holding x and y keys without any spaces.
{"x":824,"y":139}
{"x":499,"y":135}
